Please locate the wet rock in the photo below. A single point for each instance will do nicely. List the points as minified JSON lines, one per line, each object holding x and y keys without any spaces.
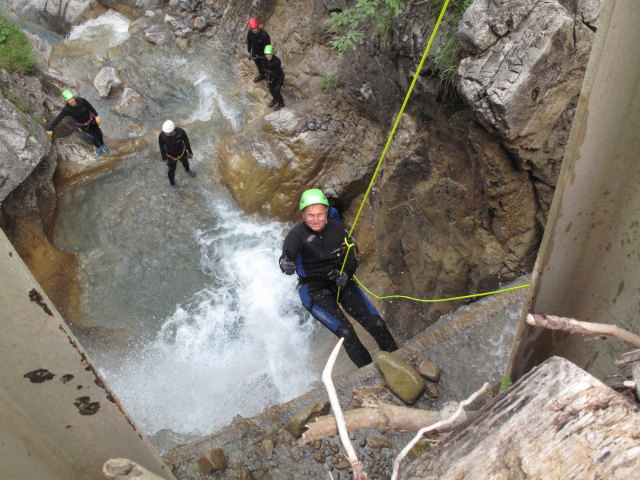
{"x":318,"y":457}
{"x":182,"y":43}
{"x":131,"y":103}
{"x":141,"y":23}
{"x":158,"y":38}
{"x":266,"y":446}
{"x":400,"y":377}
{"x":297,"y":455}
{"x":106,"y":79}
{"x":343,"y":464}
{"x":213,"y":461}
{"x":296,"y":425}
{"x":429,"y":370}
{"x":378,"y":443}
{"x":432,"y":391}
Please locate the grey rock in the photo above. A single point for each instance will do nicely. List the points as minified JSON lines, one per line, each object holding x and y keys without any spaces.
{"x":158,"y":38}
{"x":106,"y":79}
{"x":131,"y":103}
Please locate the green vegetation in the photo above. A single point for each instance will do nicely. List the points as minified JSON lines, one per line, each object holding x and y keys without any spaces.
{"x":353,"y":23}
{"x":16,"y":55}
{"x":327,"y":82}
{"x":505,"y":383}
{"x":445,"y":64}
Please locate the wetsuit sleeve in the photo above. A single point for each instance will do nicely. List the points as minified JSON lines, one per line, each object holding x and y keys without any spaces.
{"x":58,"y":119}
{"x":267,"y":39}
{"x":249,"y":41}
{"x":186,"y":142}
{"x":162,"y":149}
{"x":88,"y":105}
{"x":290,"y":247}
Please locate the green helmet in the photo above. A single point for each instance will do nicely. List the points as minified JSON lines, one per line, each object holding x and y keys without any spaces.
{"x":313,"y":196}
{"x":67,"y":95}
{"x":268,"y":50}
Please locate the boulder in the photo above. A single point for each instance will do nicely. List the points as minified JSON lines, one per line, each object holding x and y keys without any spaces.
{"x":106,"y":78}
{"x":131,"y":103}
{"x":400,"y":377}
{"x":296,"y":425}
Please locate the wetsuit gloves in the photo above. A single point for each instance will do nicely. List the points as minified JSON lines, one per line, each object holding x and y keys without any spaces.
{"x":287,"y":266}
{"x":341,"y":280}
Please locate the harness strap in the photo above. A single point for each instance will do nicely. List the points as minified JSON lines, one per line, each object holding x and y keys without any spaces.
{"x":79,"y":124}
{"x":175,"y":159}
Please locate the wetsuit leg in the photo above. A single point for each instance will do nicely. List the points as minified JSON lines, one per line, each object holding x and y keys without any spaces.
{"x":322,"y":305}
{"x":274,"y":89}
{"x":185,"y":162}
{"x":172,"y":171}
{"x":259,"y":61}
{"x":360,"y":308}
{"x":96,"y":133}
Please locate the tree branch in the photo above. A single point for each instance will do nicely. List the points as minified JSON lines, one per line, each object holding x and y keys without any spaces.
{"x":586,"y":328}
{"x":443,"y":425}
{"x":356,"y":465}
{"x":383,"y":417}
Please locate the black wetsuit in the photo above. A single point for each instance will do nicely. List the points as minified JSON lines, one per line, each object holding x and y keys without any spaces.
{"x":255,"y":46}
{"x":84,"y":118}
{"x":173,"y":148}
{"x":275,"y":78}
{"x":316,"y":255}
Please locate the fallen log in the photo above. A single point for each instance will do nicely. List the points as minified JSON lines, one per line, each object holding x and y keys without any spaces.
{"x":557,"y":421}
{"x":384,"y":417}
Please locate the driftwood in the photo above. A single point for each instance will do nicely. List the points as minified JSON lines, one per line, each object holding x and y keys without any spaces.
{"x":571,"y":325}
{"x":384,"y":417}
{"x":125,"y":469}
{"x":352,"y":458}
{"x":555,"y":422}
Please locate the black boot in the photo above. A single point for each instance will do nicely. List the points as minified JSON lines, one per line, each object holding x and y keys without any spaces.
{"x":272,"y":103}
{"x":259,"y":77}
{"x":279,"y":106}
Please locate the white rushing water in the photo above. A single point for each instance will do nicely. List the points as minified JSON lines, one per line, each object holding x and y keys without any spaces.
{"x":190,"y":320}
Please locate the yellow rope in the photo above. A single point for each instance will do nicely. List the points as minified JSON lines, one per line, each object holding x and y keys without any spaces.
{"x":393,"y":131}
{"x":397,"y":122}
{"x":438,"y":300}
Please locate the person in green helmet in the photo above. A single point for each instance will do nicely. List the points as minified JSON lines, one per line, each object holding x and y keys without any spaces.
{"x":315,"y":249}
{"x":275,"y":77}
{"x":84,"y":117}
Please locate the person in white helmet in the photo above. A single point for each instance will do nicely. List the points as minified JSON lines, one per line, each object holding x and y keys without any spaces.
{"x":174,"y":146}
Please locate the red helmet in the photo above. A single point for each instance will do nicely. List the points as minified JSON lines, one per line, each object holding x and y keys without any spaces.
{"x":254,"y":23}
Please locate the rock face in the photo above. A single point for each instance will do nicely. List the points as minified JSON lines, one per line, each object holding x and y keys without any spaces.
{"x":523,"y":77}
{"x":460,"y":202}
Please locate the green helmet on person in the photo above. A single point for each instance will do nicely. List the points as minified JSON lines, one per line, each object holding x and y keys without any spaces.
{"x":67,"y":95}
{"x":268,"y":50}
{"x":313,"y":196}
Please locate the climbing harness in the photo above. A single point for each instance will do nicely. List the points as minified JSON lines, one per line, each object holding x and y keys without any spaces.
{"x":382,"y":157}
{"x":175,"y":159}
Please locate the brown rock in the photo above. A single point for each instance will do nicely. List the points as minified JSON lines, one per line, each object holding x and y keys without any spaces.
{"x":429,"y":370}
{"x":296,"y":425}
{"x":213,"y":461}
{"x":400,"y":377}
{"x":432,"y":391}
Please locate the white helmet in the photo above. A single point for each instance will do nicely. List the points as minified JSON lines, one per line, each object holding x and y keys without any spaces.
{"x":168,"y":126}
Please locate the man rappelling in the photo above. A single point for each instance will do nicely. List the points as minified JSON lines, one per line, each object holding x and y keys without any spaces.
{"x":314,"y":249}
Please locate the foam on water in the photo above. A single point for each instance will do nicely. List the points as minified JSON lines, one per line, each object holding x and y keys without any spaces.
{"x":237,"y":346}
{"x":115,"y":24}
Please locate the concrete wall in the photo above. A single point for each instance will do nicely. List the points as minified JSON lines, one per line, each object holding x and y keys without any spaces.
{"x":588,"y":266}
{"x":58,"y":418}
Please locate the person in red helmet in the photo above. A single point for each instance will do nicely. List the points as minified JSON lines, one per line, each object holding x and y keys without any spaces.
{"x":257,"y":39}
